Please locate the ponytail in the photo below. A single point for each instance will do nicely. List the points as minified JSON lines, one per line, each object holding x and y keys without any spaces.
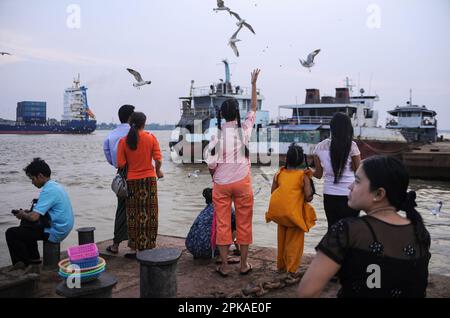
{"x":409,"y":206}
{"x":238,"y":118}
{"x":137,"y":121}
{"x":132,"y":137}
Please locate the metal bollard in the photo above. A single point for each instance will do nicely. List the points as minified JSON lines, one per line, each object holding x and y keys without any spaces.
{"x":85,"y":235}
{"x":99,"y":288}
{"x":158,"y":277}
{"x":52,"y":255}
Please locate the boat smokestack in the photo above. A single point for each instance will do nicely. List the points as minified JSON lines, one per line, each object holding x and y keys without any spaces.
{"x":342,"y":96}
{"x":312,"y":96}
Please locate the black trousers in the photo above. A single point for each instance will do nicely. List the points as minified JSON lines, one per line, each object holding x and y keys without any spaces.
{"x":120,"y":222}
{"x":336,"y":208}
{"x":22,"y":243}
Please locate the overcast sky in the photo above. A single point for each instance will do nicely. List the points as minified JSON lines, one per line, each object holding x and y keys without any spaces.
{"x":386,"y":47}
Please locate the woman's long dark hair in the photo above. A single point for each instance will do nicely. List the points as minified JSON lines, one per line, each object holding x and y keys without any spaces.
{"x":389,"y":173}
{"x":294,"y":156}
{"x":137,"y":121}
{"x":230,"y":111}
{"x":341,"y":143}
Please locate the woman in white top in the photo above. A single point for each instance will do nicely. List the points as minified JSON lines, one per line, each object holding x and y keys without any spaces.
{"x":337,"y":158}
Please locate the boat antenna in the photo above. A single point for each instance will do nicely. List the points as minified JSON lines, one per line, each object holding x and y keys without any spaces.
{"x":191,"y":90}
{"x":410,"y":97}
{"x":349,"y":86}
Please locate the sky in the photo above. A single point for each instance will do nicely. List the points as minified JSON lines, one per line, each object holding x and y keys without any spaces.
{"x":385,"y":47}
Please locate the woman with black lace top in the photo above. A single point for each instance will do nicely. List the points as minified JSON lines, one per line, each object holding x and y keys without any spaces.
{"x":382,"y":254}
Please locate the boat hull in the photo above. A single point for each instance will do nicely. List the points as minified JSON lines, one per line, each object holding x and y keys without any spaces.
{"x":71,"y":127}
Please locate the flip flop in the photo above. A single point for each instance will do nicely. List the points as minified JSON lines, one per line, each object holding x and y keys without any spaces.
{"x":247,"y":271}
{"x":130,"y":255}
{"x":110,"y":250}
{"x":218,"y":270}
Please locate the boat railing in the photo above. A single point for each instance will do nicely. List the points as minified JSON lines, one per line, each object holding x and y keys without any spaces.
{"x":222,"y":89}
{"x":192,"y":112}
{"x":305,"y":120}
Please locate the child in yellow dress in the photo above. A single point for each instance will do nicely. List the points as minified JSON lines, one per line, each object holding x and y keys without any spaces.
{"x":289,"y":208}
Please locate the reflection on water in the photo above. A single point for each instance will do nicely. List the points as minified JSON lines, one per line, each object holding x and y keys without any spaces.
{"x":78,"y":163}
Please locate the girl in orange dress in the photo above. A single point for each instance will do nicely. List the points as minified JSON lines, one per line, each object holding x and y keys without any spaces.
{"x":289,"y":208}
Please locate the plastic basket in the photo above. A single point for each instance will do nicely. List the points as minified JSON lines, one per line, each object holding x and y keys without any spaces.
{"x":86,"y":262}
{"x":86,"y":251}
{"x":84,"y":278}
{"x":65,"y":263}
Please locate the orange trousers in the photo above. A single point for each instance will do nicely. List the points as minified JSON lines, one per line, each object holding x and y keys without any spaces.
{"x":241,"y":193}
{"x":290,"y":248}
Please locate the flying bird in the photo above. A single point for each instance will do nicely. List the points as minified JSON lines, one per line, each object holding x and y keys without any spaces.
{"x":310,"y":60}
{"x":233,"y":41}
{"x":140,"y":82}
{"x":5,"y":53}
{"x":221,"y":6}
{"x":241,"y":22}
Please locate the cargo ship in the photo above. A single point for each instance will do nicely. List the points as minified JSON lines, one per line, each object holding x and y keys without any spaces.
{"x":31,"y":116}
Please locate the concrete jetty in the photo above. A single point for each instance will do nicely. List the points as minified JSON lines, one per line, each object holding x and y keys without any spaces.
{"x":197,"y":278}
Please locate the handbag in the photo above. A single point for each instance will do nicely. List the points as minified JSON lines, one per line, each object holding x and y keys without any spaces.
{"x":119,"y":184}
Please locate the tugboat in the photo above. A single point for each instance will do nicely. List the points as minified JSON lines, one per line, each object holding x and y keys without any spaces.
{"x":417,"y":123}
{"x":199,"y":118}
{"x":309,"y":124}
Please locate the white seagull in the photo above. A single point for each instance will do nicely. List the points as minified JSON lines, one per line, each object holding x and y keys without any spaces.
{"x":437,"y":210}
{"x":241,"y":22}
{"x":310,"y":60}
{"x":5,"y":53}
{"x":140,"y":82}
{"x":233,"y":41}
{"x":221,"y":6}
{"x":194,"y":174}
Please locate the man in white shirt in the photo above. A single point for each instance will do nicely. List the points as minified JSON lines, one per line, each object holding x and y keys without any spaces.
{"x":110,"y":149}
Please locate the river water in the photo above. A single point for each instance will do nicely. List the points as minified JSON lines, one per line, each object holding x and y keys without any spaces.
{"x":78,"y":163}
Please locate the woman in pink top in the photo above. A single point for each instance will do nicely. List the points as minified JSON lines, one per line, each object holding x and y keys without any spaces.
{"x":229,"y":164}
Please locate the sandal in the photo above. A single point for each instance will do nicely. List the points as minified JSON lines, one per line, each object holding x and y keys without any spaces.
{"x":219,"y":271}
{"x":250,"y":268}
{"x":110,"y":250}
{"x":130,"y":255}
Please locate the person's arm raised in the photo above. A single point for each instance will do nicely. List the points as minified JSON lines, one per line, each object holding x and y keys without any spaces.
{"x":255,"y":75}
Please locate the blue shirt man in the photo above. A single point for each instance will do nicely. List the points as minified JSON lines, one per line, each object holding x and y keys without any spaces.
{"x":54,"y":200}
{"x":112,"y":141}
{"x":110,"y":146}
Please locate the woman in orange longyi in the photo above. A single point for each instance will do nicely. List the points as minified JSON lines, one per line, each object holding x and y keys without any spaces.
{"x":289,"y":208}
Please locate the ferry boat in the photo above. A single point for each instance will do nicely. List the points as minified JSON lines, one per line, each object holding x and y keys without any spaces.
{"x":309,"y":124}
{"x":199,"y":118}
{"x":417,"y":123}
{"x":31,"y":116}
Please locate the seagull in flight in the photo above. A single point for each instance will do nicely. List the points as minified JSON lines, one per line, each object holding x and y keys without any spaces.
{"x":221,"y":6}
{"x":5,"y":53}
{"x":241,"y":22}
{"x":233,"y":41}
{"x":140,"y":82}
{"x":310,"y":60}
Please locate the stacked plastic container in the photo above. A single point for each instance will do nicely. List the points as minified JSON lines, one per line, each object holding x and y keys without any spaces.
{"x":86,"y":257}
